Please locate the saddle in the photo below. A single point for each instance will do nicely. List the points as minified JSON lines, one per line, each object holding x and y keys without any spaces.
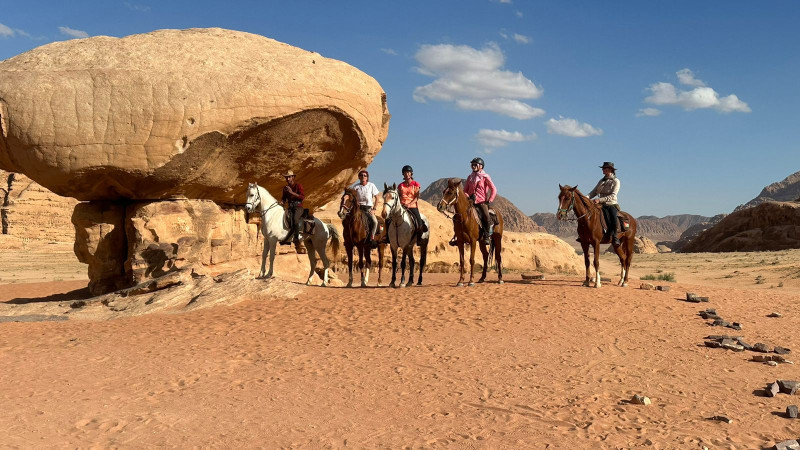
{"x":492,"y":216}
{"x":623,"y":218}
{"x":305,"y":216}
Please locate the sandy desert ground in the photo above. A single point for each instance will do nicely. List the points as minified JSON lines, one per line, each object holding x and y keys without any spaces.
{"x":544,"y":365}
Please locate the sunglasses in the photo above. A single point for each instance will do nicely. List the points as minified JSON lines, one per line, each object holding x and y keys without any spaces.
{"x":474,"y":165}
{"x":363,"y":175}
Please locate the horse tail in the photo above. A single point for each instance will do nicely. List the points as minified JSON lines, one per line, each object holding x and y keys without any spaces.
{"x":336,"y":242}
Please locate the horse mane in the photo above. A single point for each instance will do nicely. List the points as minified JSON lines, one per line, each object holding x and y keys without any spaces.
{"x":585,"y":201}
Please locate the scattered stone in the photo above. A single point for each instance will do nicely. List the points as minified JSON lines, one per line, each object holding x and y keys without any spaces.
{"x":709,"y":314}
{"x":690,"y":297}
{"x":721,"y":323}
{"x":703,"y":299}
{"x":720,"y":337}
{"x":768,"y":358}
{"x":791,"y":444}
{"x":713,"y":344}
{"x":647,"y":286}
{"x":735,"y":326}
{"x":77,"y":304}
{"x":773,"y":389}
{"x":640,"y":400}
{"x":663,"y":288}
{"x":744,"y":344}
{"x":782,"y":350}
{"x":761,"y":347}
{"x":731,"y":344}
{"x":775,"y":314}
{"x":721,"y":419}
{"x":771,"y":363}
{"x":789,"y":386}
{"x":791,"y":411}
{"x":526,"y":276}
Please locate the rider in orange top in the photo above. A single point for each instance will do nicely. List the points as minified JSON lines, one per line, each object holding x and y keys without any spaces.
{"x":408,"y":191}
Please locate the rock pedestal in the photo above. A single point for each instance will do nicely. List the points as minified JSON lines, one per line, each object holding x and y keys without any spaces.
{"x":127,"y":244}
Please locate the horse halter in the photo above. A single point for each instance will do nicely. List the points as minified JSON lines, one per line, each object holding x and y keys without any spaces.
{"x":571,"y":208}
{"x":395,"y":201}
{"x":342,"y":205}
{"x":258,"y":202}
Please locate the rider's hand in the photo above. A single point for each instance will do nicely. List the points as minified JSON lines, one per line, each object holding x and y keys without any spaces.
{"x":374,"y":209}
{"x":596,"y":201}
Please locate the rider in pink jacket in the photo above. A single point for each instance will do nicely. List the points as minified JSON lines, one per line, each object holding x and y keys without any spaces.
{"x":477,"y":187}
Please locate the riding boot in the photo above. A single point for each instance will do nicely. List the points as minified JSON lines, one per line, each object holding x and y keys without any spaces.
{"x":615,"y":240}
{"x":289,"y":236}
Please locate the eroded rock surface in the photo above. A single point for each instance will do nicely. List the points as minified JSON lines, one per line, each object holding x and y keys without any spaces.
{"x":193,"y":113}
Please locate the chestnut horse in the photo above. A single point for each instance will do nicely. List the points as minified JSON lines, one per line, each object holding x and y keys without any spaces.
{"x":356,"y":234}
{"x":590,"y":231}
{"x":467,"y":230}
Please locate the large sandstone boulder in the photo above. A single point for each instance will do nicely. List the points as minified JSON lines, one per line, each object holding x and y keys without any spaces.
{"x":28,"y":211}
{"x":193,"y":113}
{"x":644,"y":245}
{"x":767,"y":226}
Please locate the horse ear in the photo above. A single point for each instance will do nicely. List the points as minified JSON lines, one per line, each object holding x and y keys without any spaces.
{"x":576,"y":187}
{"x":394,"y":186}
{"x":385,"y":187}
{"x":560,"y":186}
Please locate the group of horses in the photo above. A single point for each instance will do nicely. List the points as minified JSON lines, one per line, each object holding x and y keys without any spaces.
{"x":403,"y":234}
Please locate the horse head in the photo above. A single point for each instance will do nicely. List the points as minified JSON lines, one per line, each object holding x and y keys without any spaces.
{"x":391,"y":200}
{"x":253,"y":198}
{"x":566,"y":200}
{"x":450,"y":194}
{"x":347,"y":202}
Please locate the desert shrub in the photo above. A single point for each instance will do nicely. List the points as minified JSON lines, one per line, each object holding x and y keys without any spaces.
{"x":668,"y":276}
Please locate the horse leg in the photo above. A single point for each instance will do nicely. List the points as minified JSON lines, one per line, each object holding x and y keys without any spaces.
{"x":423,"y":257}
{"x":585,"y":248}
{"x":485,"y":255}
{"x":273,"y":243}
{"x":326,"y":263}
{"x":403,"y":268}
{"x":620,"y":251}
{"x":461,"y":265}
{"x":349,"y":249}
{"x":628,"y":260}
{"x":264,"y":255}
{"x":411,"y":266}
{"x":367,"y":266}
{"x":361,"y":264}
{"x":472,"y":262}
{"x":381,"y":253}
{"x":312,"y":259}
{"x":394,"y":267}
{"x":597,"y":283}
{"x":498,"y":247}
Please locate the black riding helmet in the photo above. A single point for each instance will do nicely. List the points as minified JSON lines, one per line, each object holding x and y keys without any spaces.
{"x":407,"y":168}
{"x":478,"y":161}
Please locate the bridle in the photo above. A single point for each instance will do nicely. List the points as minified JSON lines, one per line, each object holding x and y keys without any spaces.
{"x":394,"y":204}
{"x":449,"y":204}
{"x":258,"y":202}
{"x":345,"y":208}
{"x":571,"y":207}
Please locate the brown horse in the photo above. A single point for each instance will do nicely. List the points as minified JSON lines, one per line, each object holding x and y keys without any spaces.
{"x":356,"y":234}
{"x":590,"y":231}
{"x":467,"y":230}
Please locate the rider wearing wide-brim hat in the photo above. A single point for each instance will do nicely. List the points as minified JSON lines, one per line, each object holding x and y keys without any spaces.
{"x":607,"y":191}
{"x":293,"y":197}
{"x":408,"y":191}
{"x":367,"y":198}
{"x":481,"y":190}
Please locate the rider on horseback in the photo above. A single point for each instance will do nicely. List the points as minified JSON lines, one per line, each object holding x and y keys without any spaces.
{"x":293,"y":196}
{"x":367,"y":200}
{"x":408,"y":191}
{"x":606,"y":191}
{"x":477,"y":188}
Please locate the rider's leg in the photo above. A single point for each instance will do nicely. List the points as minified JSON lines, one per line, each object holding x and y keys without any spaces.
{"x":483,"y":208}
{"x":613,"y":224}
{"x":386,"y":224}
{"x":292,"y":227}
{"x":421,"y":227}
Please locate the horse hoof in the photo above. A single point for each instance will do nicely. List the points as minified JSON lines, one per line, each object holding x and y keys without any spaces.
{"x":460,"y":285}
{"x":481,"y":280}
{"x":624,"y":285}
{"x":500,"y":282}
{"x":349,"y":285}
{"x":419,"y":283}
{"x":472,"y":284}
{"x":394,"y":286}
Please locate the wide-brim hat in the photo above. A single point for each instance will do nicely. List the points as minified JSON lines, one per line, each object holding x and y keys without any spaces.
{"x":608,"y":165}
{"x":288,"y":174}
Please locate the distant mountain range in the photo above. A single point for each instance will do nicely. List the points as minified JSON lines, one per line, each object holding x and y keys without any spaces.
{"x":513,"y":218}
{"x":783,"y":191}
{"x":668,"y":228}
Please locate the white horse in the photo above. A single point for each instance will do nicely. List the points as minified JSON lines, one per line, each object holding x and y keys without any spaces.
{"x":272,"y":227}
{"x":403,"y":234}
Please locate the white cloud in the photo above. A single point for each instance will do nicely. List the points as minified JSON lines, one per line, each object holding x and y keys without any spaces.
{"x":571,"y":127}
{"x":473,"y":80}
{"x":522,"y":39}
{"x":701,"y":97}
{"x":518,"y":13}
{"x":501,"y":138}
{"x":72,"y":32}
{"x":389,"y":51}
{"x":651,"y":112}
{"x":686,"y":76}
{"x":508,"y":2}
{"x":6,"y":31}
{"x":135,"y":7}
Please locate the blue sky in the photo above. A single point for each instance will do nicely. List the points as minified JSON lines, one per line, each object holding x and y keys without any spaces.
{"x":544,"y":91}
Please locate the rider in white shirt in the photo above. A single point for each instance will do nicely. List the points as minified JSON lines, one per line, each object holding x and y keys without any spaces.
{"x":367,"y":194}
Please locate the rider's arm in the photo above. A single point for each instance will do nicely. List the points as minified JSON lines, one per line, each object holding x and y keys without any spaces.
{"x":490,"y":185}
{"x":298,"y":192}
{"x":612,"y":197}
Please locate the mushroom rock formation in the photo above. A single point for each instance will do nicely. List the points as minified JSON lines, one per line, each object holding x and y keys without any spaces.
{"x":186,"y":118}
{"x":193,"y":113}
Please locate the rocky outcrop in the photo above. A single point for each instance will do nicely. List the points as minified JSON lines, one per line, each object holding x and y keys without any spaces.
{"x":193,"y":113}
{"x":28,"y":211}
{"x":667,"y":228}
{"x":513,"y":218}
{"x":550,"y":222}
{"x":786,"y":190}
{"x":125,"y":245}
{"x":644,"y":245}
{"x":768,"y":226}
{"x":693,"y":232}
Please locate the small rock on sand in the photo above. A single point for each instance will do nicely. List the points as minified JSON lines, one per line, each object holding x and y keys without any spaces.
{"x":773,"y":389}
{"x":782,"y":350}
{"x":791,"y":411}
{"x":791,"y":444}
{"x":640,"y":400}
{"x":663,"y":288}
{"x":775,"y":314}
{"x":788,"y":386}
{"x":647,"y":286}
{"x":721,"y":419}
{"x":761,"y":347}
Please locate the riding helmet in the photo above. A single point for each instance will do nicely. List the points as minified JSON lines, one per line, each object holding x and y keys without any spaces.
{"x":478,"y":161}
{"x":407,"y":168}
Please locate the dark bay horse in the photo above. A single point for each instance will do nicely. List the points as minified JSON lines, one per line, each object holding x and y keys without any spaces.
{"x":356,"y":234}
{"x":467,"y":230}
{"x":590,"y":231}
